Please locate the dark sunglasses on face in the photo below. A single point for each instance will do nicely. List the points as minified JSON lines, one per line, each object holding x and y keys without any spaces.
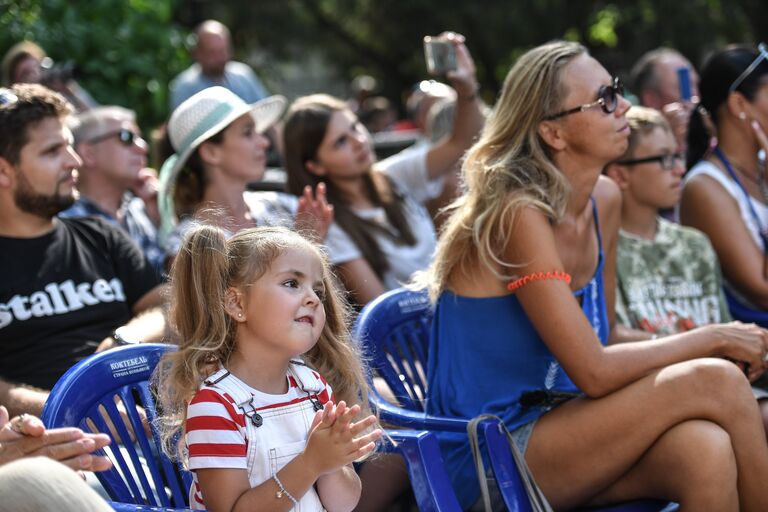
{"x":667,"y":161}
{"x":125,"y":136}
{"x":607,"y":99}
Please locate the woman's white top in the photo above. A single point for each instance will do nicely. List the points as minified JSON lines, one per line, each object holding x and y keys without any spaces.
{"x":408,"y":172}
{"x":707,"y":168}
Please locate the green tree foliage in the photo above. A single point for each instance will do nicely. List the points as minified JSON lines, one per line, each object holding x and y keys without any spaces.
{"x":383,"y":37}
{"x":126,"y":51}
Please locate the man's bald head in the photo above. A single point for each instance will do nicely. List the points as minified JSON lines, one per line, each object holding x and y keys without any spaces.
{"x":213,"y":48}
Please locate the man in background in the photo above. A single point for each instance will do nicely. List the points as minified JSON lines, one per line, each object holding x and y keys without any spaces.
{"x":113,"y":155}
{"x":655,"y":82}
{"x":66,"y":285}
{"x":212,"y":53}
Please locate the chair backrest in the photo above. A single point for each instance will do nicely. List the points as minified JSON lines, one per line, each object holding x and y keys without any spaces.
{"x":394,"y":330}
{"x":743,"y":313}
{"x":91,"y":396}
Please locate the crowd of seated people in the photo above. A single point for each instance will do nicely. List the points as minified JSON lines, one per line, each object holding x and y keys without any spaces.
{"x":566,"y":301}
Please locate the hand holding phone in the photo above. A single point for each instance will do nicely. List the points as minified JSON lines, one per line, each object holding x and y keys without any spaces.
{"x":440,"y":55}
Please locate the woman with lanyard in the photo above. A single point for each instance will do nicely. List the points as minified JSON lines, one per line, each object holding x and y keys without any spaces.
{"x":726,"y":193}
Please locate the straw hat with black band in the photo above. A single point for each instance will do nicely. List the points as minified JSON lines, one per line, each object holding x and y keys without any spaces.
{"x":196,"y":120}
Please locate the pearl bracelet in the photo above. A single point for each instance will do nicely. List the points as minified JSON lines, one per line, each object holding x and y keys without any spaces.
{"x":282,"y":491}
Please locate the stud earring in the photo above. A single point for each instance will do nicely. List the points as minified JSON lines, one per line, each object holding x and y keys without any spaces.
{"x":742,"y":116}
{"x":239,"y":315}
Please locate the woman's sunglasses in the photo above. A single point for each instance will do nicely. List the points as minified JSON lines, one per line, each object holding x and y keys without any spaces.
{"x":607,"y":99}
{"x":761,"y":56}
{"x":124,"y":135}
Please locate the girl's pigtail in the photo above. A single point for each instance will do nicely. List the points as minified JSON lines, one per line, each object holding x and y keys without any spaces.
{"x":199,"y":279}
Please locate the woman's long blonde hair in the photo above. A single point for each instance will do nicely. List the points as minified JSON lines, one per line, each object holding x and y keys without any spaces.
{"x":507,"y":169}
{"x":206,"y":266}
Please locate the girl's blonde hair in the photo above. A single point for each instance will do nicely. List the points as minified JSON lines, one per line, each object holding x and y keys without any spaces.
{"x":509,"y":168}
{"x":206,"y":266}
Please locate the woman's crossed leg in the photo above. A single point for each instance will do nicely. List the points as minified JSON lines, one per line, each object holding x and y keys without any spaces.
{"x":690,"y":432}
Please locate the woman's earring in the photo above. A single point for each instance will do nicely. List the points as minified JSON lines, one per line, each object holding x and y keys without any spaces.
{"x":239,"y":315}
{"x":742,"y":116}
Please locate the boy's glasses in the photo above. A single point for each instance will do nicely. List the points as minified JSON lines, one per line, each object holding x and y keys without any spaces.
{"x":667,"y":160}
{"x":7,"y":97}
{"x":763,"y":55}
{"x":607,"y":99}
{"x":125,"y":136}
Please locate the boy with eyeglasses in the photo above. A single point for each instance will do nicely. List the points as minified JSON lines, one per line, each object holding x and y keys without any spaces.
{"x":668,"y":276}
{"x":113,"y":155}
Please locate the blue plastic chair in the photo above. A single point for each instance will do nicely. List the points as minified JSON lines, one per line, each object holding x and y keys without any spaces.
{"x":744,"y":314}
{"x":394,"y":330}
{"x":87,"y":394}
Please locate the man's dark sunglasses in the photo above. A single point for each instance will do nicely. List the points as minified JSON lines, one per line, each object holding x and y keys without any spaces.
{"x":667,"y":161}
{"x":124,"y":135}
{"x":607,"y":99}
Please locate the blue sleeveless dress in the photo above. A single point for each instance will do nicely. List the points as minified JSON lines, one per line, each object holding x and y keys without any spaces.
{"x":485,"y":355}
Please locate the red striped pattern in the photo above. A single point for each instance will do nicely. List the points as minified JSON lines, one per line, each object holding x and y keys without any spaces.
{"x":217,"y":450}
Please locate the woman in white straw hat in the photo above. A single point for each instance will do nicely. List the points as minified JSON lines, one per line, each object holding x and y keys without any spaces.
{"x":220,"y":149}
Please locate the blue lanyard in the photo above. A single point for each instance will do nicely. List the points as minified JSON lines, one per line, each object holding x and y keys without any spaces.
{"x":728,"y":167}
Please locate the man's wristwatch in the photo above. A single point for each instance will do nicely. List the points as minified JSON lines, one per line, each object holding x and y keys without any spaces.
{"x":122,"y":336}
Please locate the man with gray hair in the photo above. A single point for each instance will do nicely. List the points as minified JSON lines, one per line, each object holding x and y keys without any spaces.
{"x":212,"y":53}
{"x":655,"y":82}
{"x":113,"y":154}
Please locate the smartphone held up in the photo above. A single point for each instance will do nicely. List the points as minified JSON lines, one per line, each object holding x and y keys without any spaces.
{"x":440,"y":55}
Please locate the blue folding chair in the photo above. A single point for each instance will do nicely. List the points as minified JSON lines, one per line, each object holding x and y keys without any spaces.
{"x":142,"y":478}
{"x":743,"y":313}
{"x":394,"y":330}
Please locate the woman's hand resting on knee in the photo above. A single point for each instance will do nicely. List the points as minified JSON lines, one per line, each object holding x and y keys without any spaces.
{"x":744,"y":344}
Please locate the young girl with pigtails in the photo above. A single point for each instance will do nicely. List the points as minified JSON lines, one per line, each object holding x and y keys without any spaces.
{"x":262,"y":326}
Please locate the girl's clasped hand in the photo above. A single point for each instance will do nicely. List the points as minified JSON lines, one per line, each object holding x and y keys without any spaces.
{"x":335,"y":440}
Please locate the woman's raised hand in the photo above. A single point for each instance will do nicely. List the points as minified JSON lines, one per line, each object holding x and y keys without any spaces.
{"x":314,"y":215}
{"x":335,"y":440}
{"x":762,"y":138}
{"x":463,"y":78}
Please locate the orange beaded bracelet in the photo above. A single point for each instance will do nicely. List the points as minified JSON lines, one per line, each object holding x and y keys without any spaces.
{"x":537,"y":276}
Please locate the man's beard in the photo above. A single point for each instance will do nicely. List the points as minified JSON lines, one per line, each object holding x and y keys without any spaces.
{"x":29,"y":201}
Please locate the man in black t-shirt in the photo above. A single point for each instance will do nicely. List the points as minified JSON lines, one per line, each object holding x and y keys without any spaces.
{"x":65,"y":284}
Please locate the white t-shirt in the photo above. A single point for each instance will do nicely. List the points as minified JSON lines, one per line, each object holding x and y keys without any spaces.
{"x":408,"y":171}
{"x":707,"y":168}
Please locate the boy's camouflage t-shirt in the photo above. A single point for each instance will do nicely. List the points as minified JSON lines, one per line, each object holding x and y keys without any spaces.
{"x":670,"y":284}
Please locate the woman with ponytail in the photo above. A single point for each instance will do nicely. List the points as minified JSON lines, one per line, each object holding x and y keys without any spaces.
{"x":725,"y":193}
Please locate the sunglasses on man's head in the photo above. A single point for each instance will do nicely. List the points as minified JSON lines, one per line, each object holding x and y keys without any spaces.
{"x":7,"y":97}
{"x":607,"y":99}
{"x":124,"y":135}
{"x":761,"y":56}
{"x":666,"y":160}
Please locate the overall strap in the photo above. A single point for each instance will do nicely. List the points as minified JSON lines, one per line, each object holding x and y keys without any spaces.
{"x":228,"y":383}
{"x":308,"y":381}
